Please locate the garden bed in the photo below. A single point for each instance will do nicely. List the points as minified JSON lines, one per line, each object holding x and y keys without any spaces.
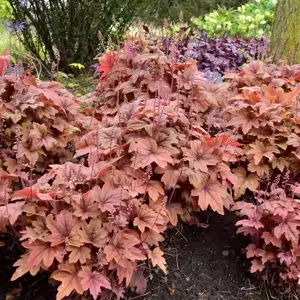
{"x":91,"y":185}
{"x":203,"y":263}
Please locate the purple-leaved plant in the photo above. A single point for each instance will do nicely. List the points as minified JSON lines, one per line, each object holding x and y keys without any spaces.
{"x":225,"y":54}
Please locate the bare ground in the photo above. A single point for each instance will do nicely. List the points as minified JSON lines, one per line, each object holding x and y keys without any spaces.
{"x":205,"y":264}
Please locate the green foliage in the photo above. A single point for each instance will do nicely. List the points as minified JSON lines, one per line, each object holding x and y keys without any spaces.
{"x":71,"y":27}
{"x":13,"y":44}
{"x":80,"y":85}
{"x":5,"y":14}
{"x":155,"y":11}
{"x":77,"y":66}
{"x":5,"y":10}
{"x":252,"y":19}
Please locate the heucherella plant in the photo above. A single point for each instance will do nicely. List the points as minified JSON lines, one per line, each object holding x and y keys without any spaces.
{"x":273,"y":223}
{"x":265,"y":116}
{"x":93,"y":185}
{"x":90,"y":186}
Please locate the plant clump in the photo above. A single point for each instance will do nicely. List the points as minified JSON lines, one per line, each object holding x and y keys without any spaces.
{"x":90,"y":185}
{"x":132,"y":160}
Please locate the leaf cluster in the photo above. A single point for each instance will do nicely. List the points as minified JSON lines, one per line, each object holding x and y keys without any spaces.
{"x":38,"y":123}
{"x":252,"y":19}
{"x":273,"y":224}
{"x":225,"y":54}
{"x":265,"y":116}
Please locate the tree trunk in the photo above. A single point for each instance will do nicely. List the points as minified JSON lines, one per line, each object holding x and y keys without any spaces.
{"x":285,"y":41}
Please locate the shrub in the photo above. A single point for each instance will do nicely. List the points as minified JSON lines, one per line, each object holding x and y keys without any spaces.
{"x":142,"y":160}
{"x":249,"y":20}
{"x":38,"y":122}
{"x":155,"y":11}
{"x":264,"y":117}
{"x":52,"y":29}
{"x":273,"y":224}
{"x":52,"y":34}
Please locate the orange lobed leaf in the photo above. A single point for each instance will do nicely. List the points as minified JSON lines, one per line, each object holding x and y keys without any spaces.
{"x":30,"y":193}
{"x":211,"y":193}
{"x":147,"y":218}
{"x":108,"y":197}
{"x":10,"y":212}
{"x":42,"y":253}
{"x":86,"y":207}
{"x":174,"y":210}
{"x":67,"y":104}
{"x":256,"y":266}
{"x":93,"y":233}
{"x":259,"y":150}
{"x":271,"y":239}
{"x":23,"y":267}
{"x":153,"y":187}
{"x":47,"y":102}
{"x":41,"y":137}
{"x":246,"y":119}
{"x":182,"y":66}
{"x":199,"y":157}
{"x":254,"y":220}
{"x":147,"y":151}
{"x":151,"y":237}
{"x":244,"y":182}
{"x":122,"y":250}
{"x":252,"y":94}
{"x":64,"y":229}
{"x":170,"y":175}
{"x":125,"y":272}
{"x":70,"y":280}
{"x":157,"y":259}
{"x":253,"y":251}
{"x":31,"y":153}
{"x":81,"y":254}
{"x":106,"y":63}
{"x":93,"y":281}
{"x":293,"y":140}
{"x":288,"y":228}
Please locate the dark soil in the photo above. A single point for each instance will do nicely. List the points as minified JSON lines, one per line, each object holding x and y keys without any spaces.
{"x":203,"y":264}
{"x":27,"y":287}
